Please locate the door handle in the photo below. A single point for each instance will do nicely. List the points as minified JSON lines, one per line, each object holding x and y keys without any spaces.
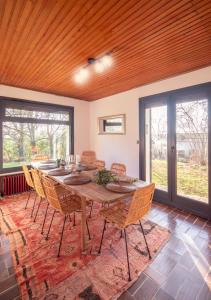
{"x":172,"y":148}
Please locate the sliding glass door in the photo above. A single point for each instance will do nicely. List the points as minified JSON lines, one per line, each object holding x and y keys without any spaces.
{"x":192,"y":150}
{"x":175,"y":147}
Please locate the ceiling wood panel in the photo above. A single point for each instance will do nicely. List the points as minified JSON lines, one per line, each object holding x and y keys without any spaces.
{"x":44,"y":42}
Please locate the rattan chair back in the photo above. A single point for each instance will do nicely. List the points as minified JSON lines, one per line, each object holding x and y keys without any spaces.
{"x":38,"y":183}
{"x":65,"y":204}
{"x":118,"y":169}
{"x":88,"y":157}
{"x":28,"y":176}
{"x":40,"y":157}
{"x":99,"y":164}
{"x":140,"y":204}
{"x":51,"y":192}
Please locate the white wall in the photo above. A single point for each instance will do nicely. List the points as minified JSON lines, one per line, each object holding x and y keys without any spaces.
{"x":81,"y":111}
{"x":124,"y":148}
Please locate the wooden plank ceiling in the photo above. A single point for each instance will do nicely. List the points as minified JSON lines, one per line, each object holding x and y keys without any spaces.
{"x":43,"y":42}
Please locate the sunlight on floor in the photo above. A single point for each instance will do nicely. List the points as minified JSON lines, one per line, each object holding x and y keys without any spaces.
{"x":198,"y":258}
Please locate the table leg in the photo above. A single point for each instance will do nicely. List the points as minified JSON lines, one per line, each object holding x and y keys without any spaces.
{"x":83,"y":224}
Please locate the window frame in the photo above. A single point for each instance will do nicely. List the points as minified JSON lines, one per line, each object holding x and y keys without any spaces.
{"x":7,"y":102}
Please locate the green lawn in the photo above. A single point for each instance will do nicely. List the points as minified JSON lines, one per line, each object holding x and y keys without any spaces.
{"x":192,"y":180}
{"x":13,"y":164}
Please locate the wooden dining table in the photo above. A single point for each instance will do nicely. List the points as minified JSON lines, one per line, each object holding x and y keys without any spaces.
{"x":91,"y":192}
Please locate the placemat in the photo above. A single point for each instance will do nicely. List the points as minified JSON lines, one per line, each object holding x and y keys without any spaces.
{"x":47,"y":167}
{"x":121,"y":187}
{"x":77,"y":179}
{"x":59,"y":172}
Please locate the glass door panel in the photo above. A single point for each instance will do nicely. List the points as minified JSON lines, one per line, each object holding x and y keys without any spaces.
{"x":156,"y":146}
{"x":192,"y":150}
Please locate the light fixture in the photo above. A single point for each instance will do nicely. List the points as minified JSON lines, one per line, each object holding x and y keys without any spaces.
{"x":82,"y":75}
{"x":106,"y":60}
{"x":100,"y":65}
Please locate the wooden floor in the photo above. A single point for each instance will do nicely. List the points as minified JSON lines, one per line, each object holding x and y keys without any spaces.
{"x":180,"y":271}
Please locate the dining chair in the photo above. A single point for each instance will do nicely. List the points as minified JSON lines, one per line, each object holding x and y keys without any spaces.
{"x":118,"y":169}
{"x":123,"y":215}
{"x":61,"y":201}
{"x":40,"y":157}
{"x":88,"y":157}
{"x":36,"y":175}
{"x":30,"y":183}
{"x":99,"y":164}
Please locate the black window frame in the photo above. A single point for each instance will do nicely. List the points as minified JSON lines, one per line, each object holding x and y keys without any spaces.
{"x":8,"y":102}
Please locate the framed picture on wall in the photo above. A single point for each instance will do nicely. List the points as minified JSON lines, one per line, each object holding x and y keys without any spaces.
{"x":112,"y":124}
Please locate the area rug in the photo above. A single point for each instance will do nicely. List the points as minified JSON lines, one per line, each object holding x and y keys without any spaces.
{"x":41,"y":275}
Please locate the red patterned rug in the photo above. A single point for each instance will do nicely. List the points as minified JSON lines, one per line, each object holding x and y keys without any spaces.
{"x":41,"y":275}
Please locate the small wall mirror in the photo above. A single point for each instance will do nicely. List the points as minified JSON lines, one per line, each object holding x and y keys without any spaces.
{"x":112,"y":124}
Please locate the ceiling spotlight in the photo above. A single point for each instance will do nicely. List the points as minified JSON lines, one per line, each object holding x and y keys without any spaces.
{"x":99,"y":66}
{"x":81,"y":75}
{"x":106,"y":60}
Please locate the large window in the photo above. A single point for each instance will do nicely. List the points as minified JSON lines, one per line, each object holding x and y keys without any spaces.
{"x":30,"y":131}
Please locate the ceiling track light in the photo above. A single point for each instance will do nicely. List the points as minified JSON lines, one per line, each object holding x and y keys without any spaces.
{"x":91,"y":60}
{"x":100,"y":65}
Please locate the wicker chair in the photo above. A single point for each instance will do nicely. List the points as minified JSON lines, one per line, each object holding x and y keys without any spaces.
{"x":30,"y":183}
{"x":99,"y":164}
{"x":36,"y":175}
{"x":88,"y":157}
{"x":123,"y":215}
{"x":65,"y":203}
{"x":40,"y":157}
{"x":118,"y":169}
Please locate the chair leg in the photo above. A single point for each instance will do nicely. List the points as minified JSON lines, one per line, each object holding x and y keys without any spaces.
{"x":121,"y":236}
{"x":128,"y":263}
{"x":43,"y":224}
{"x":28,"y":199}
{"x":60,"y":244}
{"x":50,"y":225}
{"x":33,"y":205}
{"x":90,"y":212}
{"x":102,"y":237}
{"x":70,"y":219}
{"x":74,"y":219}
{"x":145,"y":240}
{"x":35,"y":217}
{"x":88,"y":230}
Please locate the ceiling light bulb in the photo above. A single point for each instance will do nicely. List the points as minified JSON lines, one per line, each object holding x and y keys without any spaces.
{"x":77,"y":78}
{"x":84,"y":73}
{"x":81,"y":76}
{"x":106,"y":60}
{"x":99,"y":66}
